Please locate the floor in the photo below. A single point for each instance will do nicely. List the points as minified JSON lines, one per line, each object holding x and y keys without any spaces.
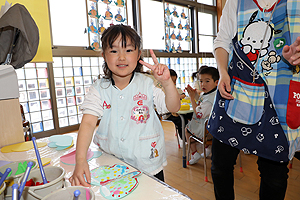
{"x":190,"y":180}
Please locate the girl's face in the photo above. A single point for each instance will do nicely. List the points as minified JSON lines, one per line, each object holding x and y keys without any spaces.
{"x":121,"y":60}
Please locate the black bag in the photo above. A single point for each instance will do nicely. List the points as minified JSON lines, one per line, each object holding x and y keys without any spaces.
{"x":19,"y":37}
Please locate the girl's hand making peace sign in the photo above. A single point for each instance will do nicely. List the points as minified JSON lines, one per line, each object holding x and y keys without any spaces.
{"x":160,"y":71}
{"x":162,"y":74}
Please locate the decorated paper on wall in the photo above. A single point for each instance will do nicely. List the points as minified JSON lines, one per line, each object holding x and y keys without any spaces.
{"x":120,"y":3}
{"x":102,"y":14}
{"x":93,"y":13}
{"x":177,"y":29}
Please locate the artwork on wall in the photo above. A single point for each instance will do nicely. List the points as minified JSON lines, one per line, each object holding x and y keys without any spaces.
{"x":177,"y":29}
{"x":102,"y":14}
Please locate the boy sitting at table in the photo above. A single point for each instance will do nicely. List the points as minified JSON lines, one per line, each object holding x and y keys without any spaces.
{"x":202,"y":105}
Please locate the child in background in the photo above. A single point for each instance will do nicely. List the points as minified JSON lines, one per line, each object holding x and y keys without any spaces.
{"x":124,"y":101}
{"x":195,"y":79}
{"x":174,"y":79}
{"x":208,"y":78}
{"x":174,"y":117}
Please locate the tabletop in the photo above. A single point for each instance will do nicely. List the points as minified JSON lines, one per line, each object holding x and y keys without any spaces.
{"x":149,"y":187}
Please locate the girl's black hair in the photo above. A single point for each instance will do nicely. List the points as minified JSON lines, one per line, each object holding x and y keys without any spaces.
{"x":110,"y":35}
{"x":173,"y":72}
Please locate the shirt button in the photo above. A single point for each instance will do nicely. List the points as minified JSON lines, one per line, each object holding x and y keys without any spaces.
{"x":121,"y":97}
{"x":122,"y":139}
{"x":122,"y":118}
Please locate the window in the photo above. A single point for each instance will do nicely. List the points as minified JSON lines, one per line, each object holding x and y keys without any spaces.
{"x":129,"y":13}
{"x":68,"y":22}
{"x":175,"y":36}
{"x":72,"y":78}
{"x":152,"y":24}
{"x":35,"y":96}
{"x":206,"y":31}
{"x":178,"y":28}
{"x":207,"y":2}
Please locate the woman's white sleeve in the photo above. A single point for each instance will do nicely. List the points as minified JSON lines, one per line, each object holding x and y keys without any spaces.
{"x":159,"y":99}
{"x":227,"y":26}
{"x":92,"y":103}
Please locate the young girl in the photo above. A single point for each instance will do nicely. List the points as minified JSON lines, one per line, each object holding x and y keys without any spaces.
{"x":208,"y":78}
{"x":124,"y":100}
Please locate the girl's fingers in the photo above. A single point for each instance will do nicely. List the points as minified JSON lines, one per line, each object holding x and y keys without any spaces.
{"x":76,"y":181}
{"x":83,"y":182}
{"x":88,"y":177}
{"x":153,"y":57}
{"x":147,"y":65}
{"x":160,"y":69}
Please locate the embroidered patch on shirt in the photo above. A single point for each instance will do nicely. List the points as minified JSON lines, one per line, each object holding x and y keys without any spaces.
{"x":140,"y":112}
{"x":154,"y":151}
{"x":105,"y":105}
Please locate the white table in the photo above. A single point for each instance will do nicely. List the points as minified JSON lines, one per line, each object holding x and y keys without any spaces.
{"x":148,"y":188}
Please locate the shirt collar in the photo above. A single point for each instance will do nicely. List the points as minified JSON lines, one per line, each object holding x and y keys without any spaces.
{"x":113,"y":82}
{"x":210,"y":91}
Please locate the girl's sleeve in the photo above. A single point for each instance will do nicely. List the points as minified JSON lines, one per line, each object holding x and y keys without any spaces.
{"x":227,"y":26}
{"x":159,"y":100}
{"x":92,"y":103}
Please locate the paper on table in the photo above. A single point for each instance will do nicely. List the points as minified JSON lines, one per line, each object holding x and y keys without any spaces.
{"x":69,"y":159}
{"x":23,"y":146}
{"x":106,"y":173}
{"x":120,"y":187}
{"x":59,"y":148}
{"x":60,"y":142}
{"x":45,"y":161}
{"x":4,"y":162}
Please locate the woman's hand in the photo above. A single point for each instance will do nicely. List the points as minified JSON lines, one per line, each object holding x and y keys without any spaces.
{"x":224,"y":86}
{"x":81,"y":169}
{"x":292,"y":53}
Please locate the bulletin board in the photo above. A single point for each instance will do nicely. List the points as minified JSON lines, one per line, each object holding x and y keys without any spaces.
{"x":39,"y":12}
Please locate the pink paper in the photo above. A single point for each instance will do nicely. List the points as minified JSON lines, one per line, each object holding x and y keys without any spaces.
{"x":69,"y":159}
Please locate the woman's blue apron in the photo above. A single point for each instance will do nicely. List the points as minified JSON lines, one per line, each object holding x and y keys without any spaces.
{"x":249,"y":122}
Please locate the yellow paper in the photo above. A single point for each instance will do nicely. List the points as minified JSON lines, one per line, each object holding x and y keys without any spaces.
{"x":24,"y":146}
{"x":39,"y":12}
{"x":45,"y":161}
{"x":8,"y":149}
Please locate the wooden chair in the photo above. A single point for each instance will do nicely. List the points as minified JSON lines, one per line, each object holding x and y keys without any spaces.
{"x":205,"y":142}
{"x":26,"y":125}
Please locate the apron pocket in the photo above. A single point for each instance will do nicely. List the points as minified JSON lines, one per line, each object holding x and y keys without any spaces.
{"x":293,"y":106}
{"x":248,"y":103}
